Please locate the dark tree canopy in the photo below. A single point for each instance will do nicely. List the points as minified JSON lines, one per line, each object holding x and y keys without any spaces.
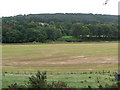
{"x":45,"y":27}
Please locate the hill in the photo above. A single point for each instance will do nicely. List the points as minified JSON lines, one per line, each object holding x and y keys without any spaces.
{"x":61,"y":17}
{"x":51,"y":27}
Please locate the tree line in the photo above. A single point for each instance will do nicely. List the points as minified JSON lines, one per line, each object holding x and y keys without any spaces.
{"x":19,"y":29}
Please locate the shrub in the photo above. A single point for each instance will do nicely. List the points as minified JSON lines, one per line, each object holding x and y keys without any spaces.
{"x":98,"y":81}
{"x":15,"y":85}
{"x":84,"y":73}
{"x":91,"y":72}
{"x":89,"y":87}
{"x":58,"y":84}
{"x":89,"y":77}
{"x":81,"y":81}
{"x":38,"y":81}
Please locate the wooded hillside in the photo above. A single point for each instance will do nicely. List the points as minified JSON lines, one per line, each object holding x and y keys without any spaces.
{"x":44,"y":27}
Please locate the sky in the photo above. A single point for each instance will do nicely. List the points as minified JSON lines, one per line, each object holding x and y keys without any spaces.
{"x":16,"y":7}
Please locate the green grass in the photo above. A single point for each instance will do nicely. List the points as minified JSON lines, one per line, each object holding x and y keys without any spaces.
{"x":69,"y":39}
{"x":13,"y":55}
{"x":78,"y":80}
{"x":74,"y":49}
{"x":27,"y":58}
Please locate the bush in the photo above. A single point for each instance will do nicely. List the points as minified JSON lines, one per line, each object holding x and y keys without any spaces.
{"x":89,"y":87}
{"x":15,"y":86}
{"x":100,"y":86}
{"x":58,"y":84}
{"x":38,"y":81}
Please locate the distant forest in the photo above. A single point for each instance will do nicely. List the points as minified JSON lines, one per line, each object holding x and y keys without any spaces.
{"x":52,"y":27}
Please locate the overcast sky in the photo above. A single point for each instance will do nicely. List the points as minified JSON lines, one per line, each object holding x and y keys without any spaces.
{"x":15,"y":7}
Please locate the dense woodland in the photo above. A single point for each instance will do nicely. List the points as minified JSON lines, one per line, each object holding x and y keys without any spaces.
{"x":52,"y":27}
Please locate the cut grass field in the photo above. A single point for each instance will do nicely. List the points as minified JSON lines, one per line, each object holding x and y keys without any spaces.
{"x":78,"y":80}
{"x":58,"y":58}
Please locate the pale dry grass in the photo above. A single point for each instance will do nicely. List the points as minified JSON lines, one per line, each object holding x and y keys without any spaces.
{"x":80,"y":56}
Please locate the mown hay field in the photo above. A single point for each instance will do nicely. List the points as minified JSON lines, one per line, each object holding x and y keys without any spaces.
{"x":22,"y":60}
{"x":70,"y":57}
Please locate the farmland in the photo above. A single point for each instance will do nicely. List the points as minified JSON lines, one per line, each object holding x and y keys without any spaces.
{"x":59,"y":60}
